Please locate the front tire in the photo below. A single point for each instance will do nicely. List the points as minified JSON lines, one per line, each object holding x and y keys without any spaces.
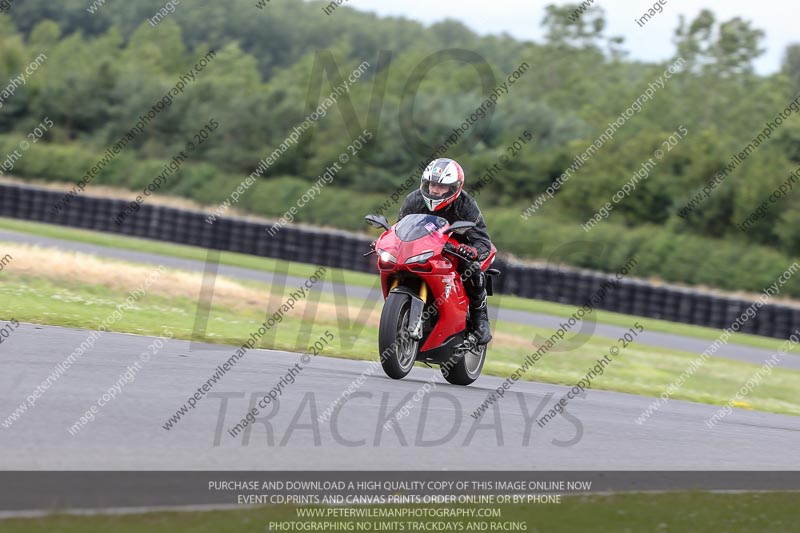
{"x":397,"y":350}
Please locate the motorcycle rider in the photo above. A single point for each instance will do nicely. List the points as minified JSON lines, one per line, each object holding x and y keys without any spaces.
{"x":440,"y":194}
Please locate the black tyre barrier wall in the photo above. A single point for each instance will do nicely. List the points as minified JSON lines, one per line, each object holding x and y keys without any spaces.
{"x":340,"y":249}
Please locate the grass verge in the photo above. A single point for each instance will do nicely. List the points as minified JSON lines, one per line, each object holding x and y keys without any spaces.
{"x":364,"y":280}
{"x":699,"y":512}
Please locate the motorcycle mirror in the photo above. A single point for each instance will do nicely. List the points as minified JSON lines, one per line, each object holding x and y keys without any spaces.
{"x":459,"y":227}
{"x":378,"y":221}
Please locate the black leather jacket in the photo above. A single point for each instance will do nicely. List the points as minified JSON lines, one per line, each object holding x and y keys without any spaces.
{"x":464,"y":208}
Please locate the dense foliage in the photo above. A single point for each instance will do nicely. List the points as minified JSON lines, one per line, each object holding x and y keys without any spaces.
{"x":106,"y":69}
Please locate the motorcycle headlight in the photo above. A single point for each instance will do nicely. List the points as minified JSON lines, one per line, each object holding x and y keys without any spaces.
{"x":420,"y":258}
{"x":386,"y":257}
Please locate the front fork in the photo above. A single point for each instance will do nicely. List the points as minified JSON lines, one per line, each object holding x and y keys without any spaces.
{"x":417,"y":306}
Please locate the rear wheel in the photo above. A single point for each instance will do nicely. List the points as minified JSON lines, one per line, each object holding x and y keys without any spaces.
{"x":398,"y":351}
{"x":468,"y":366}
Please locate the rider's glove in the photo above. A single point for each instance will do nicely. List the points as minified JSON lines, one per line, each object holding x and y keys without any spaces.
{"x":468,"y":251}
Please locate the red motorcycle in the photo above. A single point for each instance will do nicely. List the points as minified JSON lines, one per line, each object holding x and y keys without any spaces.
{"x":425,"y":316}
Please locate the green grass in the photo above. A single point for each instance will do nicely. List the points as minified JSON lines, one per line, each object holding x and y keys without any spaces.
{"x":81,"y":305}
{"x":638,"y":369}
{"x":698,"y":512}
{"x":365,"y":280}
{"x":648,"y":371}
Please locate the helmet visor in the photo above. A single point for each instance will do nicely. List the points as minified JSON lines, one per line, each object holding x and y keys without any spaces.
{"x":438,"y":191}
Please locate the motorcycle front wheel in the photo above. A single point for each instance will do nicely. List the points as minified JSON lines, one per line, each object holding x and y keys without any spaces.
{"x":397,"y":350}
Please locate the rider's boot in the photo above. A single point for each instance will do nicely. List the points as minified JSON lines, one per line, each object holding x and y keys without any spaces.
{"x":480,"y":321}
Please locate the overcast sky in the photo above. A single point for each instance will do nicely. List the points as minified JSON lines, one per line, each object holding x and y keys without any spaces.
{"x":521,"y":19}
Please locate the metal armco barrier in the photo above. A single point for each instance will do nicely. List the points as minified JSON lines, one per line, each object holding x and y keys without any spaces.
{"x":341,"y":249}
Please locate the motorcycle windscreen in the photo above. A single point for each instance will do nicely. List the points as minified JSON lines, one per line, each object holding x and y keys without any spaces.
{"x":413,"y":227}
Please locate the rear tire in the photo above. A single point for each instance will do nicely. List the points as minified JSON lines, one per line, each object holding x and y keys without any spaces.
{"x":468,"y":368}
{"x":397,"y":352}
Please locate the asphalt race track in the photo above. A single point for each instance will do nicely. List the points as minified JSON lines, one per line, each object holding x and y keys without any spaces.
{"x":438,"y":433}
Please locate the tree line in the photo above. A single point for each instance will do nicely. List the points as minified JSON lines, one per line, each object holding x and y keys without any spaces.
{"x":273,"y":66}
